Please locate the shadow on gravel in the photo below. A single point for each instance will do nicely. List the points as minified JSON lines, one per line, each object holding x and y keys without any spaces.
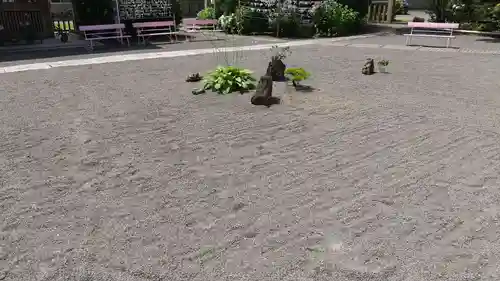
{"x":304,"y":88}
{"x":110,"y":47}
{"x":434,"y":46}
{"x":489,"y":40}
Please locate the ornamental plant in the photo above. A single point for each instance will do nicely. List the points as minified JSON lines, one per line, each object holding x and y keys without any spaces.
{"x":296,"y":75}
{"x":228,"y":79}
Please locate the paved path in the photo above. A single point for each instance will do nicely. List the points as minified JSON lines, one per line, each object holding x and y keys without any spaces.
{"x":114,"y":171}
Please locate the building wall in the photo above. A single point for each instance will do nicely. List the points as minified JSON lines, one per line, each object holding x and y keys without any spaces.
{"x":190,"y":8}
{"x":14,"y":12}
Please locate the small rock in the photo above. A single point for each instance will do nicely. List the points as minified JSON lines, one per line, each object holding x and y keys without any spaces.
{"x":238,"y":206}
{"x":368,"y":68}
{"x":195,"y":77}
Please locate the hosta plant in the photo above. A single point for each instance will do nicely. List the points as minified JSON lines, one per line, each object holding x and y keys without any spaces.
{"x":227,"y":79}
{"x":296,"y":74}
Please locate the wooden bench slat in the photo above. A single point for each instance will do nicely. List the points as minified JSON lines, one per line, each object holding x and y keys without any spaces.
{"x":441,"y":30}
{"x":430,"y":35}
{"x":436,"y":25}
{"x":101,"y":27}
{"x":153,"y":24}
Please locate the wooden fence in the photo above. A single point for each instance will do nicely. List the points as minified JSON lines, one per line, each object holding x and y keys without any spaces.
{"x":13,"y":22}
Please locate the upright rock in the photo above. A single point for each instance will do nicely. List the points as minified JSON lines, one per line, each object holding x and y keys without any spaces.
{"x":276,"y":69}
{"x":368,"y":68}
{"x":264,"y":92}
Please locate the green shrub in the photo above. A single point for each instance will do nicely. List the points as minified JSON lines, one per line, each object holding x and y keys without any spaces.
{"x":228,"y":79}
{"x":286,"y":24}
{"x":228,"y":23}
{"x":333,"y":19}
{"x":359,"y":6}
{"x":297,"y":74}
{"x":206,"y":14}
{"x":226,"y":7}
{"x":397,"y":9}
{"x":177,"y":11}
{"x":252,"y":21}
{"x":439,"y":10}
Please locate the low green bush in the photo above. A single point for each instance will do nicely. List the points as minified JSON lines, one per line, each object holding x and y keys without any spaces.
{"x":296,"y":75}
{"x":206,"y":14}
{"x":286,"y":24}
{"x":253,"y":21}
{"x":228,"y":23}
{"x":333,"y":19}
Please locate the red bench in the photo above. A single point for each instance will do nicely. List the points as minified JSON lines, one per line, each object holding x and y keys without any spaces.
{"x":437,"y":30}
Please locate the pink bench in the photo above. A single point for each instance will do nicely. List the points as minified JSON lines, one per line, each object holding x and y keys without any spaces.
{"x":195,"y":25}
{"x":103,"y":32}
{"x":438,"y":30}
{"x":156,"y":28}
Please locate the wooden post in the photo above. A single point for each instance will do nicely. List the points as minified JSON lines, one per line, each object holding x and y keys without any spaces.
{"x":389,"y":10}
{"x":370,"y":11}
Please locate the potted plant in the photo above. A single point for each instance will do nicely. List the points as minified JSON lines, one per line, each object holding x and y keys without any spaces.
{"x":63,"y":35}
{"x":382,"y":66}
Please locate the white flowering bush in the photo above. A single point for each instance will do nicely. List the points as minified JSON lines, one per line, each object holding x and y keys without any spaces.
{"x":228,"y":23}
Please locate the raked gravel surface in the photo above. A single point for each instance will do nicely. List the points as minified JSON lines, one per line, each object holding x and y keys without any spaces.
{"x":116,"y":172}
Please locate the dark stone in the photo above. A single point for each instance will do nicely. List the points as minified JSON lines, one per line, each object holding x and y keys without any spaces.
{"x":198,"y":91}
{"x":368,"y":68}
{"x":264,"y":92}
{"x":195,"y":77}
{"x":276,"y":69}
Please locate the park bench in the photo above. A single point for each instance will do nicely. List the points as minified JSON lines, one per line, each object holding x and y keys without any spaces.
{"x":146,"y":30}
{"x":104,"y":32}
{"x":199,"y":26}
{"x":437,"y":30}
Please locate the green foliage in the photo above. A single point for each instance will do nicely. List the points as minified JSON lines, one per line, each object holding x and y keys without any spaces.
{"x":177,"y":11}
{"x":398,"y":8}
{"x":383,"y":62}
{"x":252,"y":21}
{"x":297,"y":74}
{"x":228,"y":79}
{"x":245,"y":21}
{"x":286,"y":24}
{"x":334,"y":19}
{"x":360,"y":6}
{"x":206,"y":14}
{"x":226,"y":7}
{"x":482,"y":15}
{"x":228,"y":23}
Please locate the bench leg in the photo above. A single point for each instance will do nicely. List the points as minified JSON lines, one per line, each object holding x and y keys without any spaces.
{"x":448,"y":42}
{"x":91,"y":45}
